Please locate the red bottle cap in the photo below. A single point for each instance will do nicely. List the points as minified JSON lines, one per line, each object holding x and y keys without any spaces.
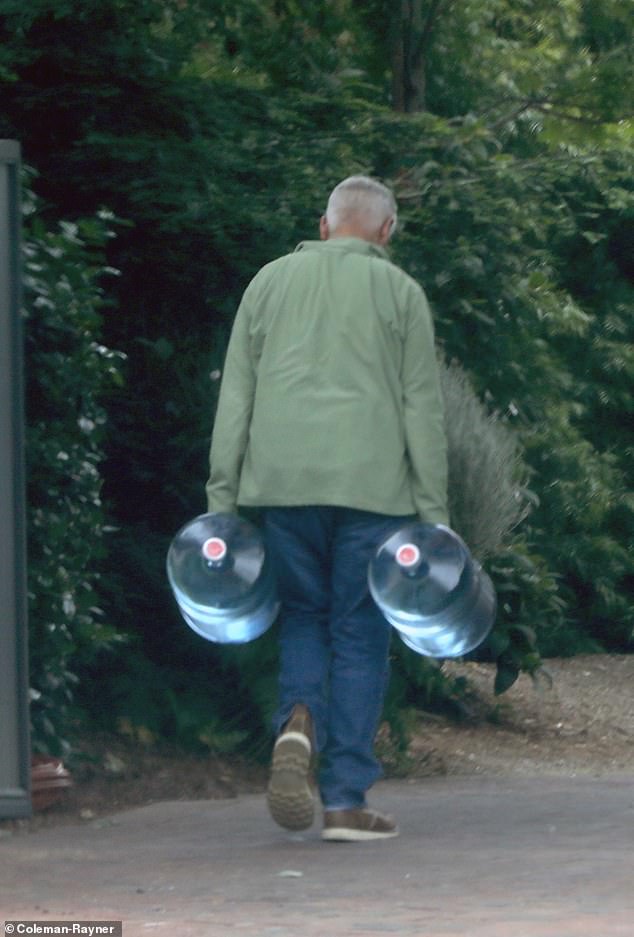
{"x":214,"y":549}
{"x":407,"y":555}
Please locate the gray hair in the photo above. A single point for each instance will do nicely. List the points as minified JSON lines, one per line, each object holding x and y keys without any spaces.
{"x":361,"y":199}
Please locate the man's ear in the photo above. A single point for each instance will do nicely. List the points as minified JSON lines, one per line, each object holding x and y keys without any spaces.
{"x":324,"y":230}
{"x":386,"y":230}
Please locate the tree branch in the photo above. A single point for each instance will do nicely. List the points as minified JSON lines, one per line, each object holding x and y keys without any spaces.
{"x":549,"y":107}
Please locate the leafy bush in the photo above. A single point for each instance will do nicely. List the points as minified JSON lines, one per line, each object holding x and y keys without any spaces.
{"x":180,"y":118}
{"x":582,"y":527}
{"x":68,"y":372}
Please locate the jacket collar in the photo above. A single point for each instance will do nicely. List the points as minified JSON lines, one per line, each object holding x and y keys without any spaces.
{"x":348,"y":245}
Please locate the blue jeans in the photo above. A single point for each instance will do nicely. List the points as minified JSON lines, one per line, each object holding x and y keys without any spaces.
{"x":334,"y":642}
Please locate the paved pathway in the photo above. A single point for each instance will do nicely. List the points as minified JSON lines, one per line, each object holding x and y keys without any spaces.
{"x":477,"y":857}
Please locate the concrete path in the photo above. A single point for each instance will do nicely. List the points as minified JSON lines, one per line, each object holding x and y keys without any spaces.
{"x":477,"y":857}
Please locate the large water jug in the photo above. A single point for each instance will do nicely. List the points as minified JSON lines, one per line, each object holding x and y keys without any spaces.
{"x":429,"y":587}
{"x":221,"y":578}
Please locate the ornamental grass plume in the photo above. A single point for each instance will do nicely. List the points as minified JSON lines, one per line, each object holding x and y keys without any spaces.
{"x":487,"y":476}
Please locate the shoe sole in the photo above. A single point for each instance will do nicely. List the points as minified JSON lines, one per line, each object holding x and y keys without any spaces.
{"x":289,"y":796}
{"x":344,"y":834}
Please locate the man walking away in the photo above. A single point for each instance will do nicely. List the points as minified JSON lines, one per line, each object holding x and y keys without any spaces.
{"x":330,"y":420}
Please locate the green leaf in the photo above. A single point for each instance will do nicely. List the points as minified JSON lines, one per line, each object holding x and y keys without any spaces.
{"x":505,"y":677}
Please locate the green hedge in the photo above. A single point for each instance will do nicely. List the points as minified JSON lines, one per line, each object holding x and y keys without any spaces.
{"x":68,"y":371}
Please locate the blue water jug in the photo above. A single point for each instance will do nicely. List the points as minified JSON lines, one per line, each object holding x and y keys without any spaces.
{"x":429,"y":587}
{"x":222,"y":581}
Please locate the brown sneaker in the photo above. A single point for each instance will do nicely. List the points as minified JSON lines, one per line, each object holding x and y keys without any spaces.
{"x":355,"y":826}
{"x":290,"y":796}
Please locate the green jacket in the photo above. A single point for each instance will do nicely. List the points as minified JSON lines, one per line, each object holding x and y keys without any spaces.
{"x":330,"y":393}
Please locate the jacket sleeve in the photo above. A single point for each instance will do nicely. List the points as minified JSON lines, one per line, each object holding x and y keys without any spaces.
{"x":233,"y":417}
{"x":424,"y":416}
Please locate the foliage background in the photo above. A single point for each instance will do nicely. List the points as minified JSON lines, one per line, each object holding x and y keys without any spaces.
{"x":206,"y":136}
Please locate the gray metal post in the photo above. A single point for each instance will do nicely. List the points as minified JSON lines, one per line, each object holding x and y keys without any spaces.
{"x":15,"y":800}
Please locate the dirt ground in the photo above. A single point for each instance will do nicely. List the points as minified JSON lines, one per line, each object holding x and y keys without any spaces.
{"x":578,"y":718}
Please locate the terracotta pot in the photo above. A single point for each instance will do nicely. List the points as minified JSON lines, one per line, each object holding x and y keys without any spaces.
{"x":49,"y":781}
